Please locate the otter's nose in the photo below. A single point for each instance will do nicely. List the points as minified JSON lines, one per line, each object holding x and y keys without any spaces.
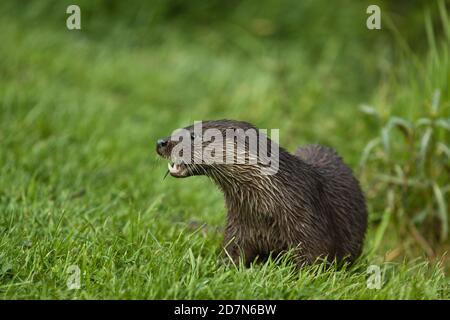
{"x":161,"y":143}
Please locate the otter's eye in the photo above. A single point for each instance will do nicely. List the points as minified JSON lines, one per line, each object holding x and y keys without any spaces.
{"x":193,"y":135}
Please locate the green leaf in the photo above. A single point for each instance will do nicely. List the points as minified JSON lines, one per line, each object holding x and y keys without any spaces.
{"x":385,"y":139}
{"x":423,"y":122}
{"x":442,"y":211}
{"x":443,"y":148}
{"x":420,"y":217}
{"x":367,"y":150}
{"x":424,"y":143}
{"x":381,"y":230}
{"x":443,"y":123}
{"x":369,"y":110}
{"x":444,"y":18}
{"x":435,"y":101}
{"x":403,"y":125}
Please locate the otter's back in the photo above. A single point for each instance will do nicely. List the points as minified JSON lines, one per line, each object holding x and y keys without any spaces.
{"x":344,"y":197}
{"x":320,"y":157}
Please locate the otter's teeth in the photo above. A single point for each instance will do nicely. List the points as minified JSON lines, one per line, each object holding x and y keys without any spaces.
{"x":173,"y":168}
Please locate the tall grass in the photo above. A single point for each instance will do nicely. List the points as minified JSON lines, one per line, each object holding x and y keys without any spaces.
{"x":407,"y":166}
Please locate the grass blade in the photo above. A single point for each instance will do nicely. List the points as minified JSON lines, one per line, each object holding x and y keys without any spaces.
{"x":367,"y":150}
{"x":442,"y":211}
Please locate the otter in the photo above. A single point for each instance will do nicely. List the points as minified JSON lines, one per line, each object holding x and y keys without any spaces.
{"x":311,"y":205}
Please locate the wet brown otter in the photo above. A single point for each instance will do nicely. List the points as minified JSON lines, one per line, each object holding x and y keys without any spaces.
{"x":311,"y":204}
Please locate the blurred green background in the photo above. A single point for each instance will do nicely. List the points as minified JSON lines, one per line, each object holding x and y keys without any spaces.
{"x":80,"y":112}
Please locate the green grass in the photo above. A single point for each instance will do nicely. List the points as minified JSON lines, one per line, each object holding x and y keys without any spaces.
{"x":80,"y":183}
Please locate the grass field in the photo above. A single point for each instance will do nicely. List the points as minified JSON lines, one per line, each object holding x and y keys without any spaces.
{"x":80,"y":112}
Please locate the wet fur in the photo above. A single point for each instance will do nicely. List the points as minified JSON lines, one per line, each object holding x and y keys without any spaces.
{"x":313,"y":205}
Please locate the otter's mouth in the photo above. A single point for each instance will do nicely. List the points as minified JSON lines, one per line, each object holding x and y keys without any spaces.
{"x":178,"y":169}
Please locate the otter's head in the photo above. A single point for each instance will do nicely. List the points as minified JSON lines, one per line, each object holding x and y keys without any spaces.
{"x":222,"y":149}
